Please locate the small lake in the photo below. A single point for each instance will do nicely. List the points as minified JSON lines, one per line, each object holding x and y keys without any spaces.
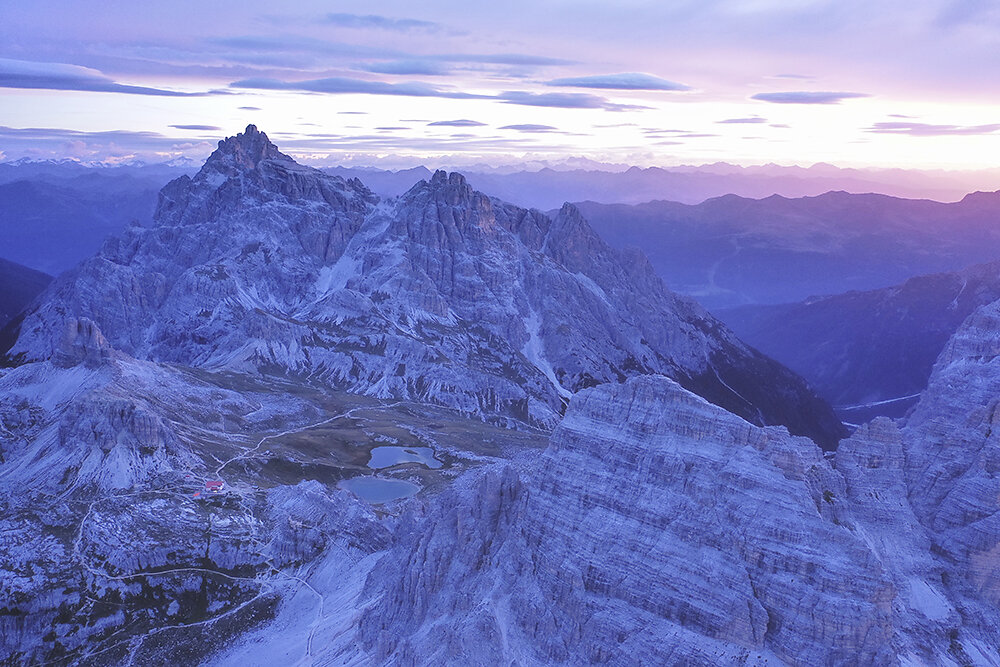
{"x":384,"y":457}
{"x":378,"y":489}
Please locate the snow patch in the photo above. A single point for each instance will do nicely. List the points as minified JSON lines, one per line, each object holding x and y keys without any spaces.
{"x":214,"y":179}
{"x":335,"y":277}
{"x":589,"y":283}
{"x":534,"y":350}
{"x":928,"y":601}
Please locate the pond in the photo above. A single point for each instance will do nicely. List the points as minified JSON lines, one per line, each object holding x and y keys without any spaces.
{"x":379,"y":489}
{"x":386,"y":456}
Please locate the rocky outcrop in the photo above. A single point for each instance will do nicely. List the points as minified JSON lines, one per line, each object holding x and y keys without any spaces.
{"x":875,"y":507}
{"x":82,"y":343}
{"x":656,"y":528}
{"x":953,"y":455}
{"x":117,"y":443}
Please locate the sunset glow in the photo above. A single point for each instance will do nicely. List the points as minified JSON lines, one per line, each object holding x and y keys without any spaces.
{"x":643,"y":83}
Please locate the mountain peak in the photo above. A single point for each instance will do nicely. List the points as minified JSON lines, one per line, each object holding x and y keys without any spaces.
{"x":247,"y":149}
{"x":442,"y":178}
{"x":451,"y":188}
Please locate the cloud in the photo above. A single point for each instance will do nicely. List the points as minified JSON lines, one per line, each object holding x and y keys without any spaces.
{"x":392,"y":128}
{"x":288,"y":50}
{"x":530,"y":127}
{"x":564,"y":101}
{"x":503,"y":59}
{"x":59,"y":76}
{"x":111,"y":145}
{"x":806,"y":97}
{"x":206,"y":128}
{"x":345,"y":85}
{"x":463,"y":122}
{"x":381,"y":22}
{"x":251,"y":108}
{"x":626,"y":81}
{"x":409,"y":67}
{"x":298,"y":52}
{"x":928,"y":130}
{"x":393,"y":143}
{"x":64,"y":134}
{"x":742,"y":121}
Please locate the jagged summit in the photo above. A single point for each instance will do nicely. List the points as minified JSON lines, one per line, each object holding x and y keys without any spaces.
{"x":246,"y":150}
{"x":248,"y":170}
{"x":450,"y":188}
{"x":441,"y":177}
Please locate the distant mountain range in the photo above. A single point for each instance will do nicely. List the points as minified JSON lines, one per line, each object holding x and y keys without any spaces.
{"x":18,"y":286}
{"x":869,"y":352}
{"x":549,"y":187}
{"x":52,"y":215}
{"x":731,"y":250}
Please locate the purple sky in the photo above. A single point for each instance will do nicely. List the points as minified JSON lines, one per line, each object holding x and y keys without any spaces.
{"x":399,"y":83}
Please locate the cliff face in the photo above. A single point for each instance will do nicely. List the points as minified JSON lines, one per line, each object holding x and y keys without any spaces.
{"x":953,"y":457}
{"x":656,"y":527}
{"x":659,"y":528}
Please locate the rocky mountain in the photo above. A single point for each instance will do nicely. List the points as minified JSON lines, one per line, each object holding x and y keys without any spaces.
{"x":869,"y":352}
{"x":731,"y":250}
{"x":199,"y":487}
{"x":18,"y":286}
{"x":443,"y":295}
{"x":657,"y":528}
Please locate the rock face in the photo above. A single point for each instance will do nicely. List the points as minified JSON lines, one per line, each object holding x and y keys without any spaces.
{"x":443,"y":295}
{"x":656,"y":528}
{"x":953,"y":455}
{"x":82,"y":342}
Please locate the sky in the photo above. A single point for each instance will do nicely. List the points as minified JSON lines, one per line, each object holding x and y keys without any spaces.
{"x":879,"y":83}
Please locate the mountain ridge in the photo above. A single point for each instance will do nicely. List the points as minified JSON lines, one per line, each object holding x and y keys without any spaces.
{"x":732,"y":250}
{"x":872,"y":346}
{"x":260,"y":263}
